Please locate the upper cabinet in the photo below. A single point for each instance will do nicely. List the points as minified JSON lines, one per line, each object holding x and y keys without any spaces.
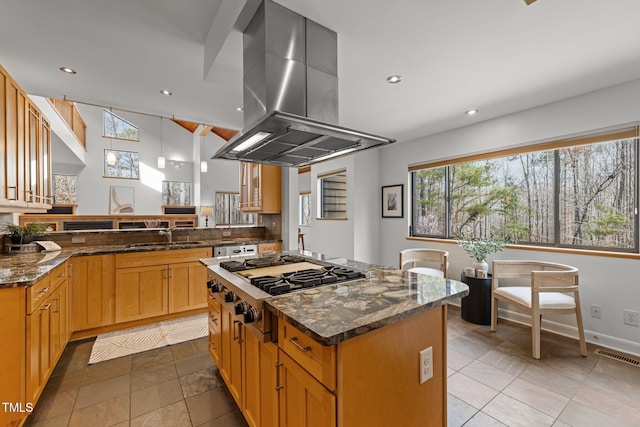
{"x":25,"y":151}
{"x":260,"y":188}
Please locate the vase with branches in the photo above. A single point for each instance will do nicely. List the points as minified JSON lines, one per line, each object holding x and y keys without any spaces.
{"x":479,"y":248}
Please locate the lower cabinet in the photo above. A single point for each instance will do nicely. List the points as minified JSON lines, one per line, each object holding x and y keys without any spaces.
{"x":230,"y":352}
{"x":214,"y":329}
{"x":92,"y":291}
{"x":47,"y":330}
{"x":152,"y":284}
{"x":304,"y":401}
{"x":141,"y":292}
{"x":187,"y":289}
{"x":12,"y":356}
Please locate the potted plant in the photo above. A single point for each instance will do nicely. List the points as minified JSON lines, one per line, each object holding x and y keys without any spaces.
{"x":478,"y":248}
{"x":23,"y":234}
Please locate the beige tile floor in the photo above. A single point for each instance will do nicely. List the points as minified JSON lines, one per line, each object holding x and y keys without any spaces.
{"x":493,"y":381}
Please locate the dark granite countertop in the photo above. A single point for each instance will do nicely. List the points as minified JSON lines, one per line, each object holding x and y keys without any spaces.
{"x":24,"y":269}
{"x":331,"y":314}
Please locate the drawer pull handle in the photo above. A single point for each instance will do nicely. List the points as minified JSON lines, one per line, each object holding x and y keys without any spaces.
{"x":44,"y":291}
{"x":61,"y":274}
{"x":304,"y":349}
{"x":46,"y":307}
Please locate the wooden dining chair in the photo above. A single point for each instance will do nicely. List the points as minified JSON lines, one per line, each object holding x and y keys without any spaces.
{"x":551,"y":289}
{"x":426,"y":261}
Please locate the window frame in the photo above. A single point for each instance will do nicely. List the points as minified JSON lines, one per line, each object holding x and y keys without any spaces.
{"x":306,"y":194}
{"x":104,"y":127}
{"x":228,"y":213}
{"x":620,"y":134}
{"x":321,"y":196}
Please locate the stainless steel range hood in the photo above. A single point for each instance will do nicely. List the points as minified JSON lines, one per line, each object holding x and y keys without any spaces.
{"x":291,"y":94}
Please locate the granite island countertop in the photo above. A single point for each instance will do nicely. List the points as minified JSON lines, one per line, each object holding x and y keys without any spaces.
{"x":334,"y":313}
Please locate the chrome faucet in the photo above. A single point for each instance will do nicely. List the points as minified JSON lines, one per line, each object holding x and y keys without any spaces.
{"x":169,"y":233}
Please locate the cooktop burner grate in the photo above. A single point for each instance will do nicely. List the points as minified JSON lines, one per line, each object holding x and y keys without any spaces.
{"x":252,"y":263}
{"x":288,"y":282}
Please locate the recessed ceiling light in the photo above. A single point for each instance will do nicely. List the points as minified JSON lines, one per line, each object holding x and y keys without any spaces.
{"x":67,"y":70}
{"x":166,"y":92}
{"x":396,"y":78}
{"x":239,"y":109}
{"x":471,"y":112}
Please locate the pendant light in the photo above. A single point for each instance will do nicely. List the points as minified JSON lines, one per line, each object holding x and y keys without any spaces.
{"x":111,"y":155}
{"x":203,"y":163}
{"x":161,"y":159}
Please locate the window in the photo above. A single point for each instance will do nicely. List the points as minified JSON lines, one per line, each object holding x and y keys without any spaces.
{"x":304,"y":218}
{"x":573,"y":194}
{"x":333,"y":195}
{"x":121,"y":164}
{"x":118,"y":128}
{"x":228,"y":211}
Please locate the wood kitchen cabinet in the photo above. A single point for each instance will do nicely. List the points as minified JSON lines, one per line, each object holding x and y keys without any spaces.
{"x":214,"y":329}
{"x":46,"y":329}
{"x":141,"y":292}
{"x":187,"y":286}
{"x":92,"y":291}
{"x":269,"y":247}
{"x":230,"y":366}
{"x":151,"y":284}
{"x":260,"y":188}
{"x":304,"y":401}
{"x":12,"y":356}
{"x":25,"y":146}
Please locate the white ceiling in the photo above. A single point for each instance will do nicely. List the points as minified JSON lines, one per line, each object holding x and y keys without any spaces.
{"x":499,"y":56}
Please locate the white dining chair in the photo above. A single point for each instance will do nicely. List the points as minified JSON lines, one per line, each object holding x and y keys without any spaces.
{"x":433,"y":262}
{"x":550,"y":289}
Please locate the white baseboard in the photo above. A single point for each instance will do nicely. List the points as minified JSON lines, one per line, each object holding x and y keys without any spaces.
{"x":613,"y":343}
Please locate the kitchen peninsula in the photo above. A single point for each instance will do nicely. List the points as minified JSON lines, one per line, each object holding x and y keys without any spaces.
{"x":350,"y":353}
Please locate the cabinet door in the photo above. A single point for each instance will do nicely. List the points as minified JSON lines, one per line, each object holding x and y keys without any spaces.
{"x":32,"y":138}
{"x":244,"y":186}
{"x":14,"y":148}
{"x":39,"y":360}
{"x":44,"y":163}
{"x":304,"y":402}
{"x":187,"y":286}
{"x":251,"y":378}
{"x":59,"y":322}
{"x":268,"y":384}
{"x":12,"y":356}
{"x":214,"y":329}
{"x":92,"y":291}
{"x":255,"y":186}
{"x":230,"y":355}
{"x":141,"y":292}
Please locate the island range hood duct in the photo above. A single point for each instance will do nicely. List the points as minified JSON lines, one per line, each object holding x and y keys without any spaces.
{"x":291,"y":94}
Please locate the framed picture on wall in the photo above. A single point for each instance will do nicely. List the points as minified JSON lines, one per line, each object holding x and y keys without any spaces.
{"x":121,"y":200}
{"x":392,"y":201}
{"x":176,"y":193}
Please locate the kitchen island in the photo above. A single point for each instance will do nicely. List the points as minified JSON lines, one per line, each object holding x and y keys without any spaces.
{"x":346,"y":354}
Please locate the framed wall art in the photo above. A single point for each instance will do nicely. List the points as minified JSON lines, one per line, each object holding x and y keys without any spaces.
{"x":392,"y":201}
{"x":176,"y":193}
{"x":121,"y":200}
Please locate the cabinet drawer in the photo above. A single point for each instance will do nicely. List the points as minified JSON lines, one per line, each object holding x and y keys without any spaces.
{"x":38,"y":293}
{"x":139,"y":259}
{"x":269,"y":247}
{"x":318,"y":360}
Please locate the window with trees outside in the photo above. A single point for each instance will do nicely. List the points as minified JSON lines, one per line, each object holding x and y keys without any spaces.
{"x":333,"y":195}
{"x":578,"y":193}
{"x":116,"y":127}
{"x":305,"y":208}
{"x":227,"y":210}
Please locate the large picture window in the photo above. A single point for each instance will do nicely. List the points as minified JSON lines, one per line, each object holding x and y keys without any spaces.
{"x":571,"y":195}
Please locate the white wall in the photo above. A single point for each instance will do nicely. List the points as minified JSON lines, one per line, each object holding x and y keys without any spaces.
{"x":178,"y":145}
{"x":610,"y":282}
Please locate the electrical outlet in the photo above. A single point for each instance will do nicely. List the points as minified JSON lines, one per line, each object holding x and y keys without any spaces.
{"x":426,"y":364}
{"x":77,"y":239}
{"x":631,"y":318}
{"x":226,"y":233}
{"x":596,"y":311}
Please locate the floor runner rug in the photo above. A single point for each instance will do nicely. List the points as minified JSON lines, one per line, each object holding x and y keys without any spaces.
{"x":135,"y":340}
